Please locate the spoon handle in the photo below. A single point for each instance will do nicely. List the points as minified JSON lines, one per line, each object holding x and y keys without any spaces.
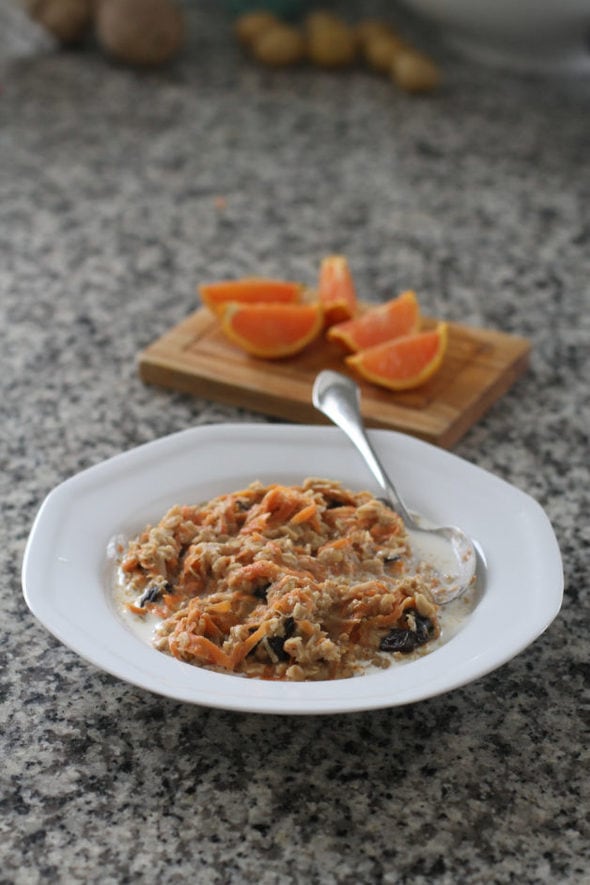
{"x":338,"y":397}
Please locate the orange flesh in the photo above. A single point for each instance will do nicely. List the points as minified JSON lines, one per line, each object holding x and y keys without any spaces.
{"x":399,"y":316}
{"x":405,"y":362}
{"x":336,"y":290}
{"x":252,"y":290}
{"x":272,"y":330}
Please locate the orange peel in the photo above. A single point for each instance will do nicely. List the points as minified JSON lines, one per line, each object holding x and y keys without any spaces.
{"x":272,"y":330}
{"x":336,"y":289}
{"x":405,"y":362}
{"x":250,"y":290}
{"x":399,"y":316}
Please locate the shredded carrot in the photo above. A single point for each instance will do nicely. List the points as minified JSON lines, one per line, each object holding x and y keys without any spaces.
{"x":220,"y":607}
{"x":305,"y":515}
{"x":130,"y":563}
{"x":210,"y":627}
{"x":255,"y":526}
{"x":279,"y":504}
{"x":306,"y":627}
{"x":338,"y":544}
{"x":206,"y":650}
{"x":248,"y":644}
{"x":388,"y":620}
{"x":346,"y":627}
{"x":136,"y":609}
{"x":171,"y":600}
{"x":190,"y":586}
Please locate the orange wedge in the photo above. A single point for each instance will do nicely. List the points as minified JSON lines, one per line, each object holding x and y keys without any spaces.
{"x":336,"y":290}
{"x":405,"y":362}
{"x":399,"y":316}
{"x":272,"y":330}
{"x":249,"y":290}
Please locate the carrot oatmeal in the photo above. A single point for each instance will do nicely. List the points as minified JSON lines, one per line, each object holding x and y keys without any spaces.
{"x":281,"y":582}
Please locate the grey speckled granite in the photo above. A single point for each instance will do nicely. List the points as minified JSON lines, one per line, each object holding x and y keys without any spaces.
{"x":479,"y":199}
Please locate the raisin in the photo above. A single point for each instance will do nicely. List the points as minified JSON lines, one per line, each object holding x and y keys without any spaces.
{"x":276,"y":645}
{"x":260,"y":592}
{"x":424,"y":628}
{"x":400,"y":640}
{"x":407,"y":639}
{"x":151,"y":594}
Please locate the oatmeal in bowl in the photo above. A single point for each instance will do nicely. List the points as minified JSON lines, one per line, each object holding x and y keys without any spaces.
{"x":296,"y":583}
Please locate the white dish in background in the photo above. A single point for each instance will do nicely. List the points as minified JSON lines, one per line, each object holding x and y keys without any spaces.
{"x":542,"y":36}
{"x":68,"y":576}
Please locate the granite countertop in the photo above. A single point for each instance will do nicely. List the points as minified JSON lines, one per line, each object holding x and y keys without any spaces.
{"x":120,"y":191}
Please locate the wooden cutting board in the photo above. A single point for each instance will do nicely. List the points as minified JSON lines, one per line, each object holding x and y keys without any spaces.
{"x":479,"y":367}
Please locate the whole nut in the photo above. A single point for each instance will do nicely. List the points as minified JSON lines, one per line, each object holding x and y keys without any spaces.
{"x":279,"y":46}
{"x":414,"y":72}
{"x":67,"y":20}
{"x":381,"y":49}
{"x":369,"y":28}
{"x":331,"y":42}
{"x":140,"y":32}
{"x":251,"y":25}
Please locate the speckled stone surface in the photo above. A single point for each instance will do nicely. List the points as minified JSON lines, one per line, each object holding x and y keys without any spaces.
{"x":110,"y":213}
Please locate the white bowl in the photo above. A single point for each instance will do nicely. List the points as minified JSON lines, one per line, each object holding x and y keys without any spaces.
{"x":533,"y":35}
{"x":69,"y":566}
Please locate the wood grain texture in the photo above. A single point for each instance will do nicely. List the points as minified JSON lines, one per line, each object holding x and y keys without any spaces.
{"x":479,"y":367}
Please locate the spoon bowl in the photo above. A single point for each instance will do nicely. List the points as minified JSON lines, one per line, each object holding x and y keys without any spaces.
{"x":449,"y":550}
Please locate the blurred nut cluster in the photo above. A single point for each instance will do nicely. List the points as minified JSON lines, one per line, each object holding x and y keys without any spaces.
{"x":136,"y":32}
{"x":328,"y":41}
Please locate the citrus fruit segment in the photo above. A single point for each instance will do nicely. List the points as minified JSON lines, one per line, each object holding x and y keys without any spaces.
{"x":272,"y":330}
{"x":336,"y":290}
{"x":399,"y":316}
{"x":405,"y":362}
{"x":249,"y":290}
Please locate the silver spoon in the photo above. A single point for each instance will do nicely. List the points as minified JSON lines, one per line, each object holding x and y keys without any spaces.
{"x":338,"y":397}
